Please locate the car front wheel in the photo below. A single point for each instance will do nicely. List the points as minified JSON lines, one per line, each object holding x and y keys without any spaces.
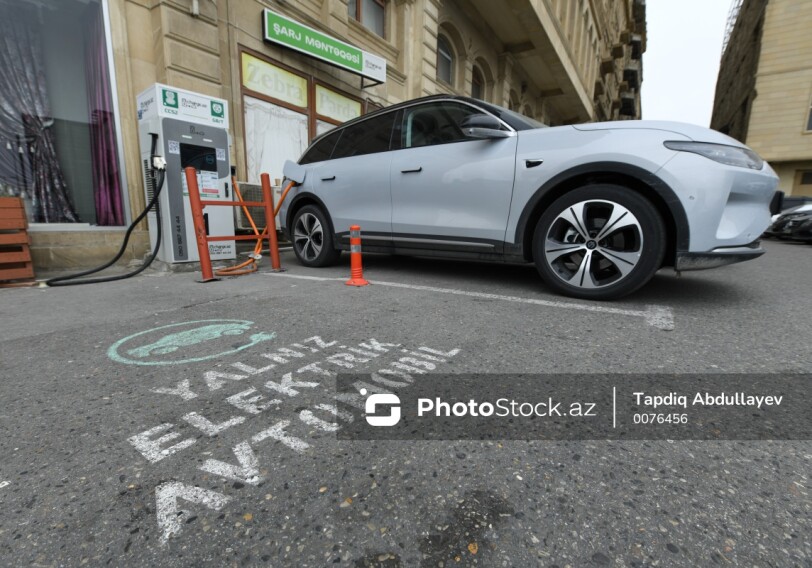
{"x":599,"y":242}
{"x":312,"y":238}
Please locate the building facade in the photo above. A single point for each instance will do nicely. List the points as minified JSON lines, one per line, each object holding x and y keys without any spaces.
{"x":764,"y":90}
{"x":73,"y":150}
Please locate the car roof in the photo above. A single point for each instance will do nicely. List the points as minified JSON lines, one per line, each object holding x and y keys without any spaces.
{"x":500,"y":112}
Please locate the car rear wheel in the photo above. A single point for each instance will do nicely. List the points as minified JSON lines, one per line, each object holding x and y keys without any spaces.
{"x":599,"y":242}
{"x":312,"y":238}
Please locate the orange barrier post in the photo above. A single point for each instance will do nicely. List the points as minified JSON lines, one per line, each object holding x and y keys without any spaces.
{"x":200,"y":225}
{"x":249,"y":266}
{"x":356,"y":270}
{"x":270,"y":222}
{"x":203,"y":239}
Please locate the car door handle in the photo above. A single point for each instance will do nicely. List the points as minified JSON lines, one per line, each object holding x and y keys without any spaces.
{"x":412,"y":170}
{"x":329,"y":178}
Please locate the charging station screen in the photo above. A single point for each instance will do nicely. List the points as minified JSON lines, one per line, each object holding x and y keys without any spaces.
{"x":204,"y":160}
{"x":198,"y":157}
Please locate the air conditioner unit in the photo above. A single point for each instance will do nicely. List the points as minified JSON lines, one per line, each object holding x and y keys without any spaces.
{"x":253,"y":192}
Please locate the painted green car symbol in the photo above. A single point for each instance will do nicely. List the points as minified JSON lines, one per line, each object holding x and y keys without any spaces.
{"x":174,"y":341}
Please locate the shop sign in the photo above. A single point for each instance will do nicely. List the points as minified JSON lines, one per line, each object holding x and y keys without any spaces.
{"x":272,"y":81}
{"x":304,"y":39}
{"x":335,"y":106}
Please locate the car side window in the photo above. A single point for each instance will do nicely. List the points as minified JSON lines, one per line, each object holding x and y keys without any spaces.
{"x":321,"y":150}
{"x":366,"y":137}
{"x":434,"y":123}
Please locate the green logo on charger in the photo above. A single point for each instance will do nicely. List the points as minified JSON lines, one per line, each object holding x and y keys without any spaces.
{"x":217,"y":110}
{"x":170,"y":98}
{"x":187,"y":342}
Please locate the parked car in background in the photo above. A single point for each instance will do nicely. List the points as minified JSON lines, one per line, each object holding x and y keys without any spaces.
{"x":598,"y":208}
{"x":800,"y":227}
{"x":779,"y":227}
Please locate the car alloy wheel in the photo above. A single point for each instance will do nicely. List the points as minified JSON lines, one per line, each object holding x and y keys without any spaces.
{"x":308,"y":237}
{"x":312,"y":237}
{"x":593,"y":244}
{"x":599,"y":242}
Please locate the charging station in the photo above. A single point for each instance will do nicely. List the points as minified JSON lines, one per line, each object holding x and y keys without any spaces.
{"x":192,"y":131}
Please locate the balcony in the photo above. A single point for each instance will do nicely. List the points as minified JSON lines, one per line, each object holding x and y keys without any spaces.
{"x":535,"y":45}
{"x":632,"y":75}
{"x":637,"y":46}
{"x":607,"y":66}
{"x":628,"y":105}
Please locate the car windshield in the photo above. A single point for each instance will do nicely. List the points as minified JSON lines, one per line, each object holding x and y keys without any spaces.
{"x":514,"y":119}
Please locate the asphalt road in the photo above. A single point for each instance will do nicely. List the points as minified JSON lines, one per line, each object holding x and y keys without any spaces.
{"x":251,"y":472}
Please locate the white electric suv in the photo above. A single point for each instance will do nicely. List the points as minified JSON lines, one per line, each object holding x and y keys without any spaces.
{"x":597,"y":207}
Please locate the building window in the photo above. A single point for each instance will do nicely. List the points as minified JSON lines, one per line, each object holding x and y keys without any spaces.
{"x":369,"y":12}
{"x":477,"y":85}
{"x":445,"y":60}
{"x":806,"y":178}
{"x":513,"y":101}
{"x":283,"y":111}
{"x":58,"y":136}
{"x":809,"y":120}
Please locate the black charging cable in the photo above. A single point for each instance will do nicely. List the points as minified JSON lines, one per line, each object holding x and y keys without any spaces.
{"x":156,"y":163}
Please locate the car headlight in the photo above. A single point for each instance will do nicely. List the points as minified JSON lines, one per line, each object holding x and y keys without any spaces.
{"x":729,"y":155}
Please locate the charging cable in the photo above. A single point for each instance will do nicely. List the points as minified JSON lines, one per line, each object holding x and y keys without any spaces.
{"x":157,"y":164}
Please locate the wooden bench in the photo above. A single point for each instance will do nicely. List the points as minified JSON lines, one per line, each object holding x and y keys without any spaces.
{"x":16,"y":268}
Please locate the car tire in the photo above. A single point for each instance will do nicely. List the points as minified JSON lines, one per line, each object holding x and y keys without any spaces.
{"x":312,"y":237}
{"x":599,"y":242}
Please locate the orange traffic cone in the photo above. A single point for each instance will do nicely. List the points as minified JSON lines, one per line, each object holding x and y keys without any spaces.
{"x":356,"y":270}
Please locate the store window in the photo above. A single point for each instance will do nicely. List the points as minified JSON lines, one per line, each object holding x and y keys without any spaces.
{"x":58,"y":137}
{"x":445,"y":60}
{"x":284,"y":110}
{"x":371,"y":14}
{"x":477,"y":85}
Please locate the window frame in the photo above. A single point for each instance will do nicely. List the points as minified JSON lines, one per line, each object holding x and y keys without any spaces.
{"x":394,"y":143}
{"x":452,"y":58}
{"x":358,"y":17}
{"x":309,"y":111}
{"x":127,"y":194}
{"x":478,"y":78}
{"x":400,"y":127}
{"x":321,"y":140}
{"x":357,"y":125}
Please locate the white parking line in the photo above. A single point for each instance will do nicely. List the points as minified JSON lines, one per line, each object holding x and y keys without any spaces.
{"x":660,"y":317}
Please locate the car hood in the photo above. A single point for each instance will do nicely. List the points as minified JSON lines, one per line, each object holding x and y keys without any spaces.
{"x":692,"y":131}
{"x":805,"y":208}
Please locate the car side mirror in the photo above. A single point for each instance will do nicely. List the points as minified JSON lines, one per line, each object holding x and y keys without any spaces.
{"x":483,"y":126}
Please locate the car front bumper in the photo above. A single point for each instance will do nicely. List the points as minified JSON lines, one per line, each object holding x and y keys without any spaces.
{"x":717,"y":257}
{"x":727,"y":207}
